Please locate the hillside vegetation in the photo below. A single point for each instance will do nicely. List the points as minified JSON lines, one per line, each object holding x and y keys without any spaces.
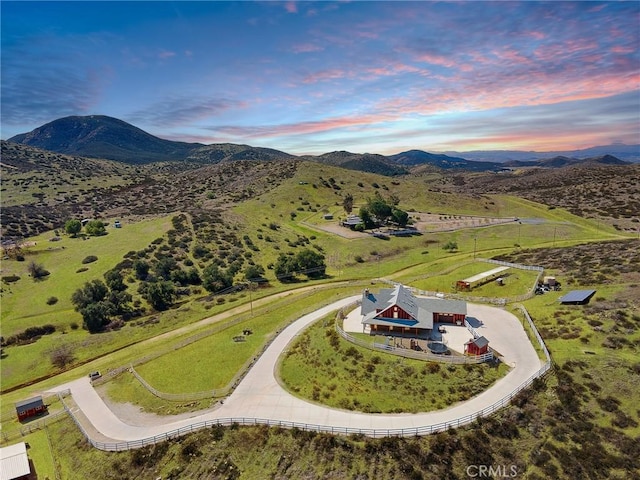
{"x":214,"y":235}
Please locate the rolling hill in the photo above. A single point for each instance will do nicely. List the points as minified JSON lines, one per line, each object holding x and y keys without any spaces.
{"x":365,"y":162}
{"x":99,"y":136}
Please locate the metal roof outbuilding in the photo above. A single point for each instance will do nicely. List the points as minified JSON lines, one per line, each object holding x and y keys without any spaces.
{"x":14,"y":462}
{"x":577,"y":297}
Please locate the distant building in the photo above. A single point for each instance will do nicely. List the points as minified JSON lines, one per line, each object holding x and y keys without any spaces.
{"x":14,"y":462}
{"x":328,"y":216}
{"x":30,"y":408}
{"x":117,"y":224}
{"x":398,"y":310}
{"x":351,"y":221}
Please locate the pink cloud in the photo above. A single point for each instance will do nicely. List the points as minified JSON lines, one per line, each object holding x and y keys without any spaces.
{"x":291,"y":7}
{"x":536,"y":35}
{"x":622,"y":50}
{"x":436,"y":60}
{"x":324,"y":75}
{"x":302,"y":127}
{"x":394,"y":69}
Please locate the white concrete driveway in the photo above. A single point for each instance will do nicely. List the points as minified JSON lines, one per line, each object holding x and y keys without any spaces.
{"x":260,"y":396}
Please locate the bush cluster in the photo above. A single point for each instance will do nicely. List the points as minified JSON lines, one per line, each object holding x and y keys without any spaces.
{"x":29,"y":335}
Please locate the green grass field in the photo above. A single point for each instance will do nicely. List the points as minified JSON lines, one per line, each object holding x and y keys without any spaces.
{"x":516,"y":281}
{"x":322,"y":367}
{"x":24,"y":303}
{"x":212,"y":362}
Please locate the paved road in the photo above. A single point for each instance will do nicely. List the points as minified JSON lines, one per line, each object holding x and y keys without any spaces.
{"x":260,"y":396}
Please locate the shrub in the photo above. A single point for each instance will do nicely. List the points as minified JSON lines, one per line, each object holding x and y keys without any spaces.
{"x":37,"y":270}
{"x":89,"y":259}
{"x":52,"y":300}
{"x":95,"y":228}
{"x":10,"y":278}
{"x":62,"y":356}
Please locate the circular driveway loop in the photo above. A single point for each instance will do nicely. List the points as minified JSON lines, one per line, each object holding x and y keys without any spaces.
{"x":259,"y":395}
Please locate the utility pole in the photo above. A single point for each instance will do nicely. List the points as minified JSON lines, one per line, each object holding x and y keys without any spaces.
{"x":554,"y":236}
{"x":475,"y":243}
{"x":519,"y":228}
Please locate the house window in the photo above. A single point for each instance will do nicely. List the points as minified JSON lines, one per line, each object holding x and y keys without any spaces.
{"x":395,"y":313}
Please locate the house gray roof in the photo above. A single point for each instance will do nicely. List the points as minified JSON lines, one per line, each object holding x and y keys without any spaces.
{"x":420,"y":309}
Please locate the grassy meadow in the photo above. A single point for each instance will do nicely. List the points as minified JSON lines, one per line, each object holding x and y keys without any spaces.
{"x":323,"y":367}
{"x":24,"y":302}
{"x":582,"y":418}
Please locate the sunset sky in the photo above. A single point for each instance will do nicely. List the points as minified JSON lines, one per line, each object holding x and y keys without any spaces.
{"x":307,"y":77}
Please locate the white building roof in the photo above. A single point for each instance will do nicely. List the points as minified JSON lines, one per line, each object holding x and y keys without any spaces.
{"x":486,"y":274}
{"x":14,"y":462}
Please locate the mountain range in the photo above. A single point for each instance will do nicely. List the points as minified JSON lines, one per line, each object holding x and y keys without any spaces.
{"x":99,"y":136}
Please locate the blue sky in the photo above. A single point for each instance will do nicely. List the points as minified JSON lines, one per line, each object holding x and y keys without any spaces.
{"x":313,"y":77}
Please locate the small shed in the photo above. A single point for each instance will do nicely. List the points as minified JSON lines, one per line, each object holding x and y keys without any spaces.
{"x":577,"y":297}
{"x":117,"y":224}
{"x":328,"y":216}
{"x":480,"y":279}
{"x":14,"y":462}
{"x":30,"y":408}
{"x":476,"y":346}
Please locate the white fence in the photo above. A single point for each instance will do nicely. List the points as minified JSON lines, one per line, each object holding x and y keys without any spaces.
{"x":369,"y":432}
{"x":417,"y":355}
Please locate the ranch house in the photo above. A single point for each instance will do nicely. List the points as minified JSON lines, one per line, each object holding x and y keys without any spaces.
{"x":397,"y":310}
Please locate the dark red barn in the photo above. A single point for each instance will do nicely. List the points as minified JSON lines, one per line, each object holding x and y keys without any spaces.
{"x":30,"y":408}
{"x":476,"y":346}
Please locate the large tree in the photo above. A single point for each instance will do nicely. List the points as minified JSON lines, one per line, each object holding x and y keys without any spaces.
{"x":312,"y":263}
{"x":92,"y":292}
{"x":254,"y":272}
{"x":160,"y":295}
{"x":141,"y":268}
{"x":285,"y":267}
{"x":367,"y":219}
{"x":97,"y":304}
{"x":379,"y":208}
{"x":95,"y":228}
{"x":96,"y":315}
{"x":115,"y":280}
{"x":215,"y":279}
{"x":73,"y":227}
{"x":400,"y":217}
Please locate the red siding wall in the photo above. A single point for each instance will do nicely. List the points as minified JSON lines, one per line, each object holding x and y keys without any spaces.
{"x":472,"y":349}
